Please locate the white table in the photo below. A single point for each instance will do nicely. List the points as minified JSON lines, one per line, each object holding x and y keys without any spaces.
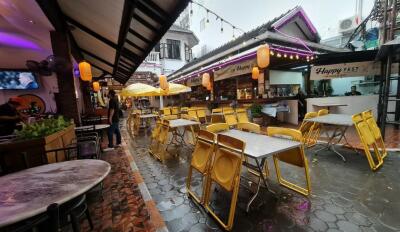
{"x":148,"y":116}
{"x":27,"y":193}
{"x":260,"y":147}
{"x":179,"y":123}
{"x":96,"y":127}
{"x":329,"y":105}
{"x":340,"y":124}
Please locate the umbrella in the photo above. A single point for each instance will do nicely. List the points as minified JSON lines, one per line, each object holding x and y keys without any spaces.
{"x":174,"y":89}
{"x":138,"y":90}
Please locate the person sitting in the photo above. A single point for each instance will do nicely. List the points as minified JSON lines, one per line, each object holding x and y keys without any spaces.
{"x":9,"y":115}
{"x":353,"y":91}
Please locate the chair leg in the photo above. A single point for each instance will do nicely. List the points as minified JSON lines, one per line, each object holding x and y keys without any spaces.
{"x":89,"y":218}
{"x":75,"y":223}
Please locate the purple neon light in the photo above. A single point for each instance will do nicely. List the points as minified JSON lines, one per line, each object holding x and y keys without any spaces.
{"x":14,"y":40}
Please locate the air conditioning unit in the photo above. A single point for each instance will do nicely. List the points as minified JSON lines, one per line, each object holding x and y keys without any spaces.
{"x":348,"y":24}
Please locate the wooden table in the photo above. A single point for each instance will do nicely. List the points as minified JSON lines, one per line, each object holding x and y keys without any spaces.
{"x":27,"y":193}
{"x":259,"y":147}
{"x":340,"y":124}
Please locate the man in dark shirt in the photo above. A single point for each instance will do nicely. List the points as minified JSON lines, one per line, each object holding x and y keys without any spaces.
{"x":113,"y":120}
{"x":353,"y":91}
{"x":9,"y":116}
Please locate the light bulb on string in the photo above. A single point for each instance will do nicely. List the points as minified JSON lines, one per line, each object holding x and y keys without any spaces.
{"x":297,"y":57}
{"x":222,"y":28}
{"x":285,"y":55}
{"x":191,"y":8}
{"x":279,"y":55}
{"x":291,"y":57}
{"x":233,"y":33}
{"x":312,"y":57}
{"x":207,"y":21}
{"x":272,"y":53}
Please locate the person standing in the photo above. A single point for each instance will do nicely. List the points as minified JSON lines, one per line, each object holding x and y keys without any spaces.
{"x":113,"y":120}
{"x":9,"y":116}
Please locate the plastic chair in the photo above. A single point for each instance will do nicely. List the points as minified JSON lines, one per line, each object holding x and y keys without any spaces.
{"x":369,"y":118}
{"x":166,"y":111}
{"x":242,"y":115}
{"x":184,"y":109}
{"x":323,"y":112}
{"x":175,"y":110}
{"x":136,"y":123}
{"x":308,"y":128}
{"x":368,"y":140}
{"x":154,"y":137}
{"x":201,"y":161}
{"x":192,"y":113}
{"x":230,"y":119}
{"x":225,"y":171}
{"x":228,"y":110}
{"x":249,"y":127}
{"x":201,"y":114}
{"x":216,"y":110}
{"x":217,"y":127}
{"x":170,"y":117}
{"x":162,"y":140}
{"x":294,"y":156}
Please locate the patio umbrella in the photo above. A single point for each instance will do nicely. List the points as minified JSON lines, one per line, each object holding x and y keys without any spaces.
{"x":139,"y":90}
{"x":174,"y":89}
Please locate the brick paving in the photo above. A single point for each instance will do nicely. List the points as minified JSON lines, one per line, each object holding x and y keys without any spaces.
{"x":346,"y":196}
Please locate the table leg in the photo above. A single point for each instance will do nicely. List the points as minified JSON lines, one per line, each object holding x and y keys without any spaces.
{"x":331,"y":144}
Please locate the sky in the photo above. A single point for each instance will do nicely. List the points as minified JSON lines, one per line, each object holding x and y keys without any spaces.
{"x":248,"y":14}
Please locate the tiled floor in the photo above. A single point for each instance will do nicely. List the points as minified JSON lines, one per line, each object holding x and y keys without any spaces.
{"x":346,"y":196}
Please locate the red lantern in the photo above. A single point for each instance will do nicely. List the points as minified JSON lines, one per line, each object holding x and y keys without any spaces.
{"x":85,"y":70}
{"x":263,"y":56}
{"x":255,"y":72}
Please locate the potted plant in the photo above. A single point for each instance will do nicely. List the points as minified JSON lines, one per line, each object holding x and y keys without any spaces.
{"x":256,"y":113}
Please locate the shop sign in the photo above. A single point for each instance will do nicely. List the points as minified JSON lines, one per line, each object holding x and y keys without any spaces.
{"x":194,"y":81}
{"x":235,"y":70}
{"x":355,"y":69}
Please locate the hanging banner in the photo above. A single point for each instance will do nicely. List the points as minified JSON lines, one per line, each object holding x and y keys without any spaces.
{"x":235,"y":70}
{"x":195,"y":81}
{"x":355,"y":69}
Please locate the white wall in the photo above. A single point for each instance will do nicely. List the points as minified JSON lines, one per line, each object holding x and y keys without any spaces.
{"x":171,"y":65}
{"x":342,"y":85}
{"x":286,"y":78}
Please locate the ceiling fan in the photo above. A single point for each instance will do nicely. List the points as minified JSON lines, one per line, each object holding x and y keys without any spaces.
{"x":49,"y":65}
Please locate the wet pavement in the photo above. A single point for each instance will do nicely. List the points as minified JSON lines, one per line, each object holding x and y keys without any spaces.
{"x":346,"y":196}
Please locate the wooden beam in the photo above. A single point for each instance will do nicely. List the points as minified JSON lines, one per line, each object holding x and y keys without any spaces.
{"x":149,"y":12}
{"x":134,"y":45}
{"x":97,"y":57}
{"x":145,"y":23}
{"x":141,"y":37}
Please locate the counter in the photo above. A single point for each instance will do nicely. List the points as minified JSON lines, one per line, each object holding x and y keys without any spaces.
{"x":345,"y":104}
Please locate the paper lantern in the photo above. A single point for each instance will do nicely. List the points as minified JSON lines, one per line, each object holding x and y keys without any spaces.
{"x":255,"y":72}
{"x":163,"y":82}
{"x":263,"y":56}
{"x":96,"y":86}
{"x":85,"y":70}
{"x":209,"y":87}
{"x":205,"y":80}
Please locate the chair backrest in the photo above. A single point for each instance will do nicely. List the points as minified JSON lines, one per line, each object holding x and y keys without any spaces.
{"x":230,"y":118}
{"x":203,"y":151}
{"x":369,"y":118}
{"x":242,"y":115}
{"x":192,"y":113}
{"x":306,"y":125}
{"x":294,"y":156}
{"x":323,"y":112}
{"x":228,"y":161}
{"x":249,"y":127}
{"x":228,"y":111}
{"x":170,"y":117}
{"x":363,"y":130}
{"x":174,"y":110}
{"x":217,"y":127}
{"x":201,"y":113}
{"x":184,"y":109}
{"x":163,"y":136}
{"x":216,"y":110}
{"x":166,"y":111}
{"x":156,"y":130}
{"x":184,"y":116}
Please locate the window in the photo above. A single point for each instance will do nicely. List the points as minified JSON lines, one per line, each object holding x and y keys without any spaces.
{"x":174,"y":49}
{"x":188,"y":53}
{"x":157,"y":47}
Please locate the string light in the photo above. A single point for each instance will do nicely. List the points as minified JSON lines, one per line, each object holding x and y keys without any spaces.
{"x":233,"y":32}
{"x":297,"y":57}
{"x":191,"y":8}
{"x":207,"y":21}
{"x":284,"y":55}
{"x":291,"y":57}
{"x":279,"y":55}
{"x":272,"y":53}
{"x":222,"y":28}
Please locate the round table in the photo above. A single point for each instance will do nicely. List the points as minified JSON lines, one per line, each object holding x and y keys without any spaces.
{"x":29,"y":192}
{"x":96,"y":127}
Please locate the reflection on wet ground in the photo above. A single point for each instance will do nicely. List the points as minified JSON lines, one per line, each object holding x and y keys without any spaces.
{"x":345,"y":196}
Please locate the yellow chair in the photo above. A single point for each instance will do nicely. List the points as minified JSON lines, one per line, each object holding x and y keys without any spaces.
{"x":242,"y":115}
{"x":217,"y":127}
{"x":202,"y":157}
{"x":368,"y":140}
{"x":136,"y":123}
{"x":175,"y":110}
{"x":184,"y":116}
{"x":249,"y":127}
{"x":228,"y":111}
{"x":162,"y":141}
{"x":225,"y":171}
{"x":230,"y":119}
{"x":192,"y":113}
{"x":170,"y":117}
{"x":369,"y":118}
{"x":201,"y":114}
{"x":166,"y":111}
{"x":295,"y":157}
{"x":216,"y":110}
{"x":323,"y":112}
{"x":154,"y":137}
{"x":307,"y":128}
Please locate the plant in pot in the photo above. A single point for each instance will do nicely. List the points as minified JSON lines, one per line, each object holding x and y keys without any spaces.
{"x":256,"y":113}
